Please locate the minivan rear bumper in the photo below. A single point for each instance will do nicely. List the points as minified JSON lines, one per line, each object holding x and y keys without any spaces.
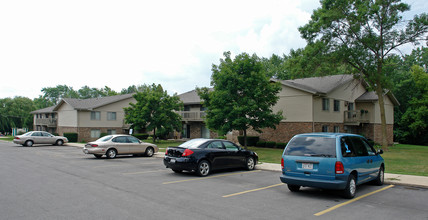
{"x":318,"y":183}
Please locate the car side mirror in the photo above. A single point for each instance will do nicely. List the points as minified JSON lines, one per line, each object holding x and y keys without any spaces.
{"x":379,"y":151}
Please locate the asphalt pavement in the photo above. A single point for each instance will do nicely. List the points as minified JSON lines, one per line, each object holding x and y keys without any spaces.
{"x":390,"y":178}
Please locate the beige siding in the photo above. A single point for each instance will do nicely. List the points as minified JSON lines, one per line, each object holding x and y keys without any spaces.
{"x":389,"y":111}
{"x":85,"y":116}
{"x":345,"y":93}
{"x":67,"y":116}
{"x":296,"y":105}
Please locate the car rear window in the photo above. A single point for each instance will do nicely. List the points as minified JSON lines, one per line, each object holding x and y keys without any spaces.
{"x":195,"y":143}
{"x":311,"y":147}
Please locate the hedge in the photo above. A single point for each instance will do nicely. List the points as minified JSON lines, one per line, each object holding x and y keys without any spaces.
{"x":72,"y":137}
{"x":261,"y":144}
{"x":270,"y":144}
{"x":251,"y":140}
{"x":281,"y":145}
{"x":141,"y":136}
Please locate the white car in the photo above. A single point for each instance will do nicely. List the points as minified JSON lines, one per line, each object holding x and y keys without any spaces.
{"x":39,"y":137}
{"x":113,"y":145}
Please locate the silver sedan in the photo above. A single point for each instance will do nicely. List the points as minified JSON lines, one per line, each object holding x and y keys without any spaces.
{"x":39,"y":137}
{"x":113,"y":145}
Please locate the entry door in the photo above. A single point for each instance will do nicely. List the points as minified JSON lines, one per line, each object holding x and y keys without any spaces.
{"x":188,"y":131}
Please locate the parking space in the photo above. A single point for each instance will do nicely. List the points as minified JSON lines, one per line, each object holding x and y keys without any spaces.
{"x":224,"y":194}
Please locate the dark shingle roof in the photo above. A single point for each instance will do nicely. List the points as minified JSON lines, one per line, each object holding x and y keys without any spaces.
{"x":89,"y":104}
{"x":44,"y":110}
{"x":320,"y":85}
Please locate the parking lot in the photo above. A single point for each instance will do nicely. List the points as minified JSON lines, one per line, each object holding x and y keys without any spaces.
{"x":60,"y":182}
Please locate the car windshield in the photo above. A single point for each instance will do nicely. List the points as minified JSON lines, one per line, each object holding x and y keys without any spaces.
{"x":311,"y":147}
{"x":104,"y":139}
{"x":195,"y":143}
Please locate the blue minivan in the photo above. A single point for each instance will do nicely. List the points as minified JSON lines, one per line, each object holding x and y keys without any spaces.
{"x":331,"y":161}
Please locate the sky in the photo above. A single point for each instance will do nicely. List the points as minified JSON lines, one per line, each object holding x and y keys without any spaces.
{"x":100,"y":43}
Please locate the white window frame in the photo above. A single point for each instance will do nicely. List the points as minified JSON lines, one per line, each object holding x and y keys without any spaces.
{"x":95,"y":133}
{"x":95,"y":115}
{"x":110,"y":116}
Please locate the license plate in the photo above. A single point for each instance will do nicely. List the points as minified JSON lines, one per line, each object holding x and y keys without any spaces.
{"x":308,"y":166}
{"x":172,"y":161}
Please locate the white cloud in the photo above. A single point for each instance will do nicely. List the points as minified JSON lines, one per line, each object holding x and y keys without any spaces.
{"x":112,"y":43}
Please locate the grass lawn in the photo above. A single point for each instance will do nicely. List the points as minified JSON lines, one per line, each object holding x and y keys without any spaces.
{"x":6,"y":138}
{"x":407,"y":159}
{"x":163,"y":144}
{"x":399,"y":159}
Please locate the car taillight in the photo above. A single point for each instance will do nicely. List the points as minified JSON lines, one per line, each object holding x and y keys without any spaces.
{"x":166,"y":151}
{"x":16,"y":138}
{"x":282,"y":163}
{"x":187,"y":152}
{"x":94,"y":145}
{"x":338,"y":167}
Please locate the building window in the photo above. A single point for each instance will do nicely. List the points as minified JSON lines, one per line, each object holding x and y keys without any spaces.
{"x":336,"y":129}
{"x":95,"y":133}
{"x":325,"y":128}
{"x":111,"y":116}
{"x":325,"y":104}
{"x":111,"y":131}
{"x":96,"y":116}
{"x":336,"y":105}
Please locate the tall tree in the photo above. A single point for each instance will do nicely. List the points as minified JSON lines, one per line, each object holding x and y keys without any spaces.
{"x":243,"y":96}
{"x":362,"y":34}
{"x":15,"y":113}
{"x":154,"y":110}
{"x":55,"y":94}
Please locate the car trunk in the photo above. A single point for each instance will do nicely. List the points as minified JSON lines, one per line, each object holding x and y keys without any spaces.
{"x":313,"y":167}
{"x":175,"y":151}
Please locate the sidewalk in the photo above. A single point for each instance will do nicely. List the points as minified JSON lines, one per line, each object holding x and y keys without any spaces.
{"x":395,"y":179}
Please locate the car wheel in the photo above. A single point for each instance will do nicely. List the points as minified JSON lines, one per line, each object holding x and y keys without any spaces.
{"x":251,"y":163}
{"x":177,"y":171}
{"x":351,"y":188}
{"x":111,"y":153}
{"x":380,"y":177}
{"x":204,"y":168}
{"x":59,"y":142}
{"x":150,"y":151}
{"x":29,"y":143}
{"x":97,"y":156}
{"x":293,"y":188}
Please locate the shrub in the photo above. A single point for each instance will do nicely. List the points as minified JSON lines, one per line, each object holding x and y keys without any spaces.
{"x":221,"y":137}
{"x":103,"y":134}
{"x":251,"y":140}
{"x":281,"y":145}
{"x":270,"y":144}
{"x":72,"y":137}
{"x":261,"y":144}
{"x":141,"y":136}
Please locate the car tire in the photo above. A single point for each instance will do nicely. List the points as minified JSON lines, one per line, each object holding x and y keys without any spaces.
{"x":98,"y":156}
{"x":150,"y":151}
{"x":380,"y":177}
{"x":29,"y":143}
{"x":177,"y":171}
{"x":293,"y":188}
{"x":351,"y":188}
{"x":204,"y":168}
{"x":111,"y":153}
{"x":250,"y":163}
{"x":59,"y":142}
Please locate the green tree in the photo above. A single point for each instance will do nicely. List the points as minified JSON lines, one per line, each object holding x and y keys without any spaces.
{"x":55,"y":94}
{"x":15,"y":113}
{"x":362,"y":34}
{"x":414,"y":122}
{"x":154,"y":110}
{"x":242,"y":97}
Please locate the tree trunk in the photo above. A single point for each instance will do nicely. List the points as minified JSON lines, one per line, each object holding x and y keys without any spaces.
{"x":245,"y":139}
{"x":379,"y":92}
{"x":154,"y":135}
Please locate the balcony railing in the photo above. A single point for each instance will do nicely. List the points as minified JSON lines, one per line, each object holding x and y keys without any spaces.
{"x":50,"y":122}
{"x":357,"y":116}
{"x":192,"y":115}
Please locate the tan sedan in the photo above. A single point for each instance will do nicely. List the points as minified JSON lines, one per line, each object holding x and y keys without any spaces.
{"x":39,"y":137}
{"x":113,"y":145}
